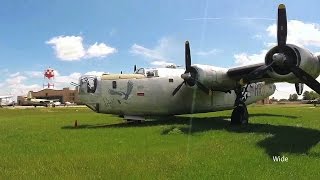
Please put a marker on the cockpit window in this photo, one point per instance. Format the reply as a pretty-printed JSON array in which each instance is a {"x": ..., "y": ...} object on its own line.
[
  {"x": 140, "y": 71},
  {"x": 152, "y": 73}
]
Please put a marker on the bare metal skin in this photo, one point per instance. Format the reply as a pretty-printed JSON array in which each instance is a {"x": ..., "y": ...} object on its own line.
[{"x": 153, "y": 95}]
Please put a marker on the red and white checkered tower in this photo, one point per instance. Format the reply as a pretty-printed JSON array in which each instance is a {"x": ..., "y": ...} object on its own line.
[{"x": 48, "y": 78}]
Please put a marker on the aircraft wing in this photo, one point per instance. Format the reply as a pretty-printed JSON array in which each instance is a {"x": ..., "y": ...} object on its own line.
[
  {"x": 6, "y": 96},
  {"x": 252, "y": 72}
]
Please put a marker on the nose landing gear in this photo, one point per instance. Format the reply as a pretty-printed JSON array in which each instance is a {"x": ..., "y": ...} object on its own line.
[{"x": 240, "y": 113}]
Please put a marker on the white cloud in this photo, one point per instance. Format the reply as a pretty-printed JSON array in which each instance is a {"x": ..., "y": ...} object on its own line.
[
  {"x": 100, "y": 50},
  {"x": 161, "y": 63},
  {"x": 148, "y": 53},
  {"x": 284, "y": 90},
  {"x": 162, "y": 54},
  {"x": 15, "y": 80},
  {"x": 16, "y": 85},
  {"x": 209, "y": 52},
  {"x": 246, "y": 59},
  {"x": 34, "y": 74},
  {"x": 165, "y": 49},
  {"x": 68, "y": 48},
  {"x": 94, "y": 73},
  {"x": 62, "y": 81},
  {"x": 299, "y": 33},
  {"x": 71, "y": 48},
  {"x": 22, "y": 89},
  {"x": 14, "y": 74}
]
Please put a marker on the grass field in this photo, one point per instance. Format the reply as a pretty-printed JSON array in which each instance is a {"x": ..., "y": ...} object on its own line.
[{"x": 42, "y": 143}]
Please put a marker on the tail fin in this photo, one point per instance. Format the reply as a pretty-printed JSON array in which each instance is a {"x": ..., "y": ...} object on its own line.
[{"x": 29, "y": 96}]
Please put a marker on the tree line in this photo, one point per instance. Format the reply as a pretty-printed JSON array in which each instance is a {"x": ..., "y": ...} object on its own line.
[{"x": 307, "y": 95}]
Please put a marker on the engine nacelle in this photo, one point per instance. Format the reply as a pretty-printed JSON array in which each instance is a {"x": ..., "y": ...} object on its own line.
[
  {"x": 299, "y": 57},
  {"x": 215, "y": 78}
]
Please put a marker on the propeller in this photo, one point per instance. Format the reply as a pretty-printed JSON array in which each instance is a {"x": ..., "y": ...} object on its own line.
[
  {"x": 189, "y": 76},
  {"x": 134, "y": 68},
  {"x": 281, "y": 58}
]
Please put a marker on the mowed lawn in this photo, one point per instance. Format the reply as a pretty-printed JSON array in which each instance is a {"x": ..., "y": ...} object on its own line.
[{"x": 42, "y": 143}]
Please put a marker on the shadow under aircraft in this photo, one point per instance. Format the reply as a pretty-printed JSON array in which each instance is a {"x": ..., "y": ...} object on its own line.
[{"x": 283, "y": 139}]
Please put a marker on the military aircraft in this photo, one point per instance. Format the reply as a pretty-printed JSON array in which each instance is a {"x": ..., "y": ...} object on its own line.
[
  {"x": 39, "y": 102},
  {"x": 6, "y": 100},
  {"x": 202, "y": 88}
]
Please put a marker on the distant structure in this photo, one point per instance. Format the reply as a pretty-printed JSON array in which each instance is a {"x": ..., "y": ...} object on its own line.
[
  {"x": 267, "y": 100},
  {"x": 64, "y": 95},
  {"x": 48, "y": 77}
]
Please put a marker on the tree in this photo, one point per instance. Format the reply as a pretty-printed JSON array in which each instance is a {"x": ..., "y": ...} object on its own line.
[
  {"x": 306, "y": 95},
  {"x": 314, "y": 95},
  {"x": 310, "y": 95},
  {"x": 293, "y": 97}
]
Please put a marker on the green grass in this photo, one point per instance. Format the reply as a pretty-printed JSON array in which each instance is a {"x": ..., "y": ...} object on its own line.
[{"x": 42, "y": 143}]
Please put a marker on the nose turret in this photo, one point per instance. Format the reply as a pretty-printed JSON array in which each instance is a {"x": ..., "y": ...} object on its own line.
[{"x": 89, "y": 91}]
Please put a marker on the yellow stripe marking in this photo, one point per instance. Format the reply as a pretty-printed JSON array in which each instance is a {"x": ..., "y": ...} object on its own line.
[{"x": 281, "y": 6}]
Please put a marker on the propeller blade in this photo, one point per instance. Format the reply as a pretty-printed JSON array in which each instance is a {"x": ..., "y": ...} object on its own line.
[
  {"x": 203, "y": 87},
  {"x": 187, "y": 56},
  {"x": 306, "y": 78},
  {"x": 177, "y": 89},
  {"x": 282, "y": 26},
  {"x": 134, "y": 68}
]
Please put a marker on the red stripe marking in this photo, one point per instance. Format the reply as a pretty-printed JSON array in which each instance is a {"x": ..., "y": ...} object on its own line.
[{"x": 140, "y": 94}]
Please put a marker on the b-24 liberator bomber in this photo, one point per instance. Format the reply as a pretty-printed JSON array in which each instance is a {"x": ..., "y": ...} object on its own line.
[{"x": 202, "y": 88}]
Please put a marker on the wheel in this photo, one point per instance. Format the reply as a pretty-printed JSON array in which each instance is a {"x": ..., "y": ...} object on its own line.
[
  {"x": 236, "y": 115},
  {"x": 239, "y": 115}
]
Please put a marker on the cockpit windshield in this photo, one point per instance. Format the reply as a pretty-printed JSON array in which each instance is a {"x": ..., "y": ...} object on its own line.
[
  {"x": 148, "y": 72},
  {"x": 88, "y": 84},
  {"x": 140, "y": 71}
]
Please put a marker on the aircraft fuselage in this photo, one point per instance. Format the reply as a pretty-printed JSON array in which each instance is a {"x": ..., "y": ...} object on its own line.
[{"x": 153, "y": 96}]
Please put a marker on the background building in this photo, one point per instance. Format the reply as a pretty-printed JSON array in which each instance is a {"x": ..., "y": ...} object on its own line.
[
  {"x": 265, "y": 101},
  {"x": 64, "y": 95}
]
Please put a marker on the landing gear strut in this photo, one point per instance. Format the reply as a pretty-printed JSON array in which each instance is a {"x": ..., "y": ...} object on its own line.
[{"x": 240, "y": 112}]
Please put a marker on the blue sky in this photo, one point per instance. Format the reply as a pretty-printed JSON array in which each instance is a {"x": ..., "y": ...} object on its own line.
[{"x": 75, "y": 36}]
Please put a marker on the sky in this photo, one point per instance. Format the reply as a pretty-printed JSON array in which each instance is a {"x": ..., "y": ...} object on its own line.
[{"x": 78, "y": 37}]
